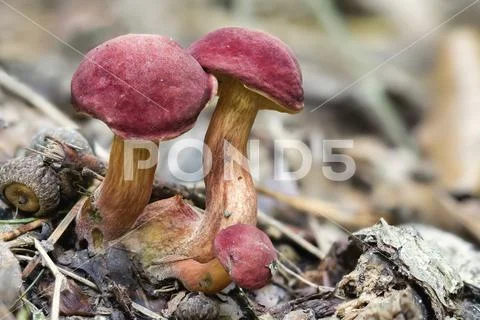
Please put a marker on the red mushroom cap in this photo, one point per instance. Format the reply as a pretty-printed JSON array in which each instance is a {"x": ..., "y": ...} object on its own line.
[
  {"x": 247, "y": 254},
  {"x": 142, "y": 86},
  {"x": 259, "y": 60}
]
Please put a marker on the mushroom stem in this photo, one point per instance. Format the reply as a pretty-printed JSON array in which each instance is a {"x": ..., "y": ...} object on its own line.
[
  {"x": 121, "y": 199},
  {"x": 230, "y": 192}
]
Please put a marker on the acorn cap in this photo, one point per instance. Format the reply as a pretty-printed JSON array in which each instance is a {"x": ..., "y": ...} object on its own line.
[
  {"x": 262, "y": 62},
  {"x": 142, "y": 86},
  {"x": 247, "y": 254},
  {"x": 66, "y": 135},
  {"x": 30, "y": 185}
]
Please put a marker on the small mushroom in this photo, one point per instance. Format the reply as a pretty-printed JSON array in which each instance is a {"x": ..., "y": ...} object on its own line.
[
  {"x": 247, "y": 253},
  {"x": 144, "y": 87},
  {"x": 30, "y": 185}
]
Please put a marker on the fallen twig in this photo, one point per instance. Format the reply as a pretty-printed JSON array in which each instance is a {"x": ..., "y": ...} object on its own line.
[
  {"x": 27, "y": 290},
  {"x": 26, "y": 93},
  {"x": 35, "y": 99},
  {"x": 322, "y": 209},
  {"x": 76, "y": 277},
  {"x": 10, "y": 235},
  {"x": 321, "y": 289},
  {"x": 59, "y": 280},
  {"x": 147, "y": 312},
  {"x": 66, "y": 272},
  {"x": 456, "y": 213},
  {"x": 263, "y": 218},
  {"x": 87, "y": 172}
]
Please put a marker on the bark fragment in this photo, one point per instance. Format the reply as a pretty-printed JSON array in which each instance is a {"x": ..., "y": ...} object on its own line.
[{"x": 416, "y": 260}]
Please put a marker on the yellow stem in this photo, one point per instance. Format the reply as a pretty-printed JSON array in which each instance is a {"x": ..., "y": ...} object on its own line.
[
  {"x": 230, "y": 191},
  {"x": 121, "y": 199}
]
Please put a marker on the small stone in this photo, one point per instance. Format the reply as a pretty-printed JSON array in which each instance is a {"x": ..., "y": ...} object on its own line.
[
  {"x": 197, "y": 307},
  {"x": 300, "y": 315},
  {"x": 10, "y": 276},
  {"x": 66, "y": 257},
  {"x": 229, "y": 309},
  {"x": 270, "y": 296}
]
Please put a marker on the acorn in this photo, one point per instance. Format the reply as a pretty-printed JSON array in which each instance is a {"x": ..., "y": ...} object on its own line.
[
  {"x": 50, "y": 173},
  {"x": 66, "y": 148},
  {"x": 69, "y": 153},
  {"x": 30, "y": 185},
  {"x": 43, "y": 140}
]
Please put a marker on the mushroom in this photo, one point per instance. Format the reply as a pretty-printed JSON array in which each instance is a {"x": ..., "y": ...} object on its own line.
[
  {"x": 144, "y": 87},
  {"x": 255, "y": 71}
]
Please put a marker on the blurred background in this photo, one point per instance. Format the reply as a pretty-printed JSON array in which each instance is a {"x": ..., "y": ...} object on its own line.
[{"x": 400, "y": 78}]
